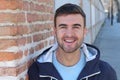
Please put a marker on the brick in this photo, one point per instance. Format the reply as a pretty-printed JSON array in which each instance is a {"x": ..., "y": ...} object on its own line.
[
  {"x": 12, "y": 30},
  {"x": 46, "y": 35},
  {"x": 42, "y": 7},
  {"x": 8, "y": 30},
  {"x": 50, "y": 9},
  {"x": 13, "y": 71},
  {"x": 8, "y": 56},
  {"x": 36, "y": 7},
  {"x": 14, "y": 4},
  {"x": 46, "y": 1},
  {"x": 22, "y": 68},
  {"x": 48, "y": 26},
  {"x": 12, "y": 17},
  {"x": 37, "y": 28},
  {"x": 10, "y": 71},
  {"x": 38, "y": 37},
  {"x": 39, "y": 17},
  {"x": 23, "y": 5},
  {"x": 7, "y": 43},
  {"x": 20, "y": 18},
  {"x": 8, "y": 4},
  {"x": 48, "y": 17},
  {"x": 23, "y": 29},
  {"x": 22, "y": 41},
  {"x": 39, "y": 46},
  {"x": 34, "y": 17},
  {"x": 29, "y": 39},
  {"x": 26, "y": 52},
  {"x": 6, "y": 17}
]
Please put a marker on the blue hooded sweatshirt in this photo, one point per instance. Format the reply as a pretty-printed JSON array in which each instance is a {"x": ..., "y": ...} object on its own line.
[{"x": 94, "y": 69}]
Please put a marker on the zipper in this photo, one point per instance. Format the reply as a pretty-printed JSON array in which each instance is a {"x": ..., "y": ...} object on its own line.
[
  {"x": 86, "y": 77},
  {"x": 51, "y": 77}
]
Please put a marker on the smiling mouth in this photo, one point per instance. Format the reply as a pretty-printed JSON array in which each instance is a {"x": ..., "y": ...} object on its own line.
[{"x": 69, "y": 41}]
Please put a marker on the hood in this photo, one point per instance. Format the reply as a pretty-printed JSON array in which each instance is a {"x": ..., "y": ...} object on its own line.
[
  {"x": 91, "y": 53},
  {"x": 91, "y": 68}
]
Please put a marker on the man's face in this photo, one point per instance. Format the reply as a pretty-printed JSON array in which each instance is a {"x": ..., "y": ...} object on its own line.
[{"x": 69, "y": 32}]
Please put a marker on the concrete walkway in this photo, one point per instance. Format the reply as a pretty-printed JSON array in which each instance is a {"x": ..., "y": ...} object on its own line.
[{"x": 108, "y": 41}]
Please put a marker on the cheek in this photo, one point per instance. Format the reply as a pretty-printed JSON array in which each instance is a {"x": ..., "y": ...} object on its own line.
[
  {"x": 79, "y": 34},
  {"x": 58, "y": 34}
]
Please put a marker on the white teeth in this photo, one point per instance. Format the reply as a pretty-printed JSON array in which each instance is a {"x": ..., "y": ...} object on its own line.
[{"x": 69, "y": 40}]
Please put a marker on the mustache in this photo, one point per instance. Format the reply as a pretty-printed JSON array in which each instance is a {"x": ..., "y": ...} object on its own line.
[{"x": 71, "y": 37}]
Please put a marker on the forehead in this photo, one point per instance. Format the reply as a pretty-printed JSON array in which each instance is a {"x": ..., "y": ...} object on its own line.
[{"x": 71, "y": 18}]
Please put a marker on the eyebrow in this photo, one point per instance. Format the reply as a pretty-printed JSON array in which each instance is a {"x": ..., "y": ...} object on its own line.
[
  {"x": 66, "y": 25},
  {"x": 62, "y": 25},
  {"x": 77, "y": 25}
]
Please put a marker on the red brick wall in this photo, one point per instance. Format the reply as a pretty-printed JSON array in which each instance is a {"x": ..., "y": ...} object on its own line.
[{"x": 25, "y": 30}]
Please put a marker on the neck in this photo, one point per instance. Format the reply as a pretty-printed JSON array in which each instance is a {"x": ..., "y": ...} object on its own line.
[{"x": 68, "y": 59}]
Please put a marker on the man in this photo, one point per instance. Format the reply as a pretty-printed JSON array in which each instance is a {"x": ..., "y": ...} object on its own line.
[{"x": 69, "y": 58}]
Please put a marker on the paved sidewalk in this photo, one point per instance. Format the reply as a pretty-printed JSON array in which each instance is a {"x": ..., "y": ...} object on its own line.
[{"x": 108, "y": 41}]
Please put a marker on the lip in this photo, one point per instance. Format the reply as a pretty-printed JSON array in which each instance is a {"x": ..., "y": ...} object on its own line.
[{"x": 69, "y": 41}]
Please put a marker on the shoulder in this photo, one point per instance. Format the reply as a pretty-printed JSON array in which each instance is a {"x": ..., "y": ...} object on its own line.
[
  {"x": 105, "y": 67},
  {"x": 33, "y": 66},
  {"x": 33, "y": 71},
  {"x": 107, "y": 70}
]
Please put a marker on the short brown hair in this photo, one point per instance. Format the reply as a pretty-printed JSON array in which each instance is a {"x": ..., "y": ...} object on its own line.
[{"x": 67, "y": 9}]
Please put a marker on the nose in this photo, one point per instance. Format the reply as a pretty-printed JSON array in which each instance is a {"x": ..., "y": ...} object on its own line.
[{"x": 69, "y": 32}]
